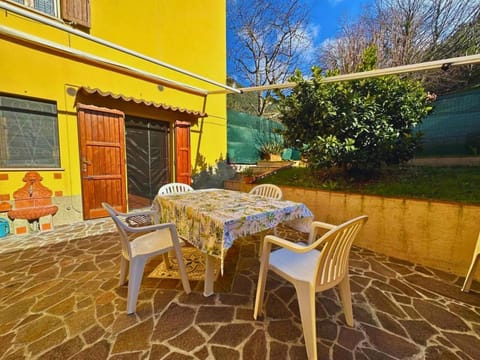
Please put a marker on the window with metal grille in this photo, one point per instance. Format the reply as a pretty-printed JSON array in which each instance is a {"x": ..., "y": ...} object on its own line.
[
  {"x": 49, "y": 7},
  {"x": 74, "y": 12},
  {"x": 28, "y": 133}
]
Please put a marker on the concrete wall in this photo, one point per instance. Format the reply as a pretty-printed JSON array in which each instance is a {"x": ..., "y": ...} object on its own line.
[{"x": 441, "y": 235}]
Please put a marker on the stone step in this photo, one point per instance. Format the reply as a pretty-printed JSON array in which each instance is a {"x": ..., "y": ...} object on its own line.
[
  {"x": 273, "y": 164},
  {"x": 262, "y": 169}
]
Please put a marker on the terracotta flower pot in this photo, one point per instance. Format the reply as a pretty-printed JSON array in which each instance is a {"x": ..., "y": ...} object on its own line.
[
  {"x": 275, "y": 157},
  {"x": 249, "y": 179}
]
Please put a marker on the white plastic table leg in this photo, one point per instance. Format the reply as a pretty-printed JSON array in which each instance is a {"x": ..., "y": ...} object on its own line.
[{"x": 209, "y": 275}]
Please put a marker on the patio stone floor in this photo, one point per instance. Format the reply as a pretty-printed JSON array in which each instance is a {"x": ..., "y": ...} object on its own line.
[{"x": 59, "y": 299}]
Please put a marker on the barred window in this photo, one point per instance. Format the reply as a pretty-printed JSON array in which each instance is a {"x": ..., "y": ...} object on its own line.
[
  {"x": 74, "y": 12},
  {"x": 46, "y": 6},
  {"x": 28, "y": 133}
]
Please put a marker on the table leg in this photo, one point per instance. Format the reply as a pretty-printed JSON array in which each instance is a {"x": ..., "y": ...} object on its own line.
[{"x": 209, "y": 275}]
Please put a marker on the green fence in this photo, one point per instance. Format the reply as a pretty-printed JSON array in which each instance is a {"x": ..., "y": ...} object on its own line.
[
  {"x": 453, "y": 128},
  {"x": 246, "y": 133}
]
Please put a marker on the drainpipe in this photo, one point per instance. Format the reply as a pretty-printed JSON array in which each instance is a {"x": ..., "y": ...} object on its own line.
[
  {"x": 61, "y": 26},
  {"x": 106, "y": 63}
]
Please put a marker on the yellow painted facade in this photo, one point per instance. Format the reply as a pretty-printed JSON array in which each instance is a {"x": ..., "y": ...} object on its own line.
[{"x": 188, "y": 34}]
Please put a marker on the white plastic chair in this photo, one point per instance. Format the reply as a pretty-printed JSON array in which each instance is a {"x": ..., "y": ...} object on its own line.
[
  {"x": 158, "y": 239},
  {"x": 473, "y": 267},
  {"x": 173, "y": 188},
  {"x": 267, "y": 190},
  {"x": 317, "y": 266}
]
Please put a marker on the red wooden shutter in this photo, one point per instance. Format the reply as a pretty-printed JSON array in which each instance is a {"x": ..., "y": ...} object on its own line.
[
  {"x": 182, "y": 140},
  {"x": 76, "y": 11}
]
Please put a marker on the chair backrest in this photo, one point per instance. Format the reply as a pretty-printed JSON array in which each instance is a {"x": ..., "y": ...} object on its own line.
[
  {"x": 173, "y": 188},
  {"x": 121, "y": 226},
  {"x": 335, "y": 250},
  {"x": 267, "y": 190}
]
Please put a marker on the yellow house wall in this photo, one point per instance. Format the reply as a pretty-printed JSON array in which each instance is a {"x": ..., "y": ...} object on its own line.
[
  {"x": 440, "y": 235},
  {"x": 188, "y": 34}
]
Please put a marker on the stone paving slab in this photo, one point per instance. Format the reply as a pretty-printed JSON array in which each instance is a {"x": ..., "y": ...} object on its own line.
[{"x": 59, "y": 299}]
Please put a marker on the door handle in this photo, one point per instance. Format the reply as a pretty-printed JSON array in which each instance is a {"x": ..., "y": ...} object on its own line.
[{"x": 85, "y": 162}]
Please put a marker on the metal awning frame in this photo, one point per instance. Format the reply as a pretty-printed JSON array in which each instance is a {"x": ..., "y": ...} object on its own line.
[{"x": 430, "y": 65}]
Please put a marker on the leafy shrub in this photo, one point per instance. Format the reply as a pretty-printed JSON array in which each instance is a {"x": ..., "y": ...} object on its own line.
[{"x": 359, "y": 124}]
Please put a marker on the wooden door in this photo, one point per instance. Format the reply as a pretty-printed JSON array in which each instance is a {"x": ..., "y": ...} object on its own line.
[
  {"x": 182, "y": 145},
  {"x": 102, "y": 159}
]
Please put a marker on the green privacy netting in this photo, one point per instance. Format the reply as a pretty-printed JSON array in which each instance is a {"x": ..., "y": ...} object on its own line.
[
  {"x": 246, "y": 133},
  {"x": 453, "y": 128}
]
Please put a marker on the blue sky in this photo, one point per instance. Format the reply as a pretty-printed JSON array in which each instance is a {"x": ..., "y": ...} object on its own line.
[{"x": 325, "y": 16}]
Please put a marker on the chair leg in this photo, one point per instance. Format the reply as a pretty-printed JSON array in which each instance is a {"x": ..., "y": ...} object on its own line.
[
  {"x": 182, "y": 270},
  {"x": 306, "y": 303},
  {"x": 262, "y": 236},
  {"x": 346, "y": 298},
  {"x": 123, "y": 270},
  {"x": 166, "y": 259},
  {"x": 471, "y": 272},
  {"x": 137, "y": 266},
  {"x": 262, "y": 280}
]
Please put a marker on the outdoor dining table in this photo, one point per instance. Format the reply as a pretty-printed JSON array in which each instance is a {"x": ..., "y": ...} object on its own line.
[{"x": 212, "y": 219}]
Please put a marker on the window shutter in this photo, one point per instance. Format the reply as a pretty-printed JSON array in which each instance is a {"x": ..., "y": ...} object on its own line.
[
  {"x": 76, "y": 11},
  {"x": 183, "y": 164}
]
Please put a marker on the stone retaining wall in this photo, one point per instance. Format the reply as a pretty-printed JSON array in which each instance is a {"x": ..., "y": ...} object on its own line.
[{"x": 441, "y": 235}]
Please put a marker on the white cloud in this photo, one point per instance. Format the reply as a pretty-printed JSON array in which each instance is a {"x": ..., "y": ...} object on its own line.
[
  {"x": 314, "y": 30},
  {"x": 306, "y": 42}
]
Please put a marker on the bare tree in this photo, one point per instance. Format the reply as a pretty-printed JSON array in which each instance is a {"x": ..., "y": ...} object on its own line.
[
  {"x": 270, "y": 40},
  {"x": 404, "y": 32},
  {"x": 345, "y": 52},
  {"x": 465, "y": 41}
]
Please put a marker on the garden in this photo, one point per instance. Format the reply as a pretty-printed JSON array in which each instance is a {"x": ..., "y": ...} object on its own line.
[{"x": 359, "y": 136}]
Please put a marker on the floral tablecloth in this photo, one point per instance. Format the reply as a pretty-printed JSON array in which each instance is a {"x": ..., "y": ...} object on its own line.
[{"x": 212, "y": 219}]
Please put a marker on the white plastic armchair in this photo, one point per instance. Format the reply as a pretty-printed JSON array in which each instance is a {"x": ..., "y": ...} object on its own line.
[
  {"x": 317, "y": 266},
  {"x": 173, "y": 188},
  {"x": 267, "y": 190},
  {"x": 158, "y": 239}
]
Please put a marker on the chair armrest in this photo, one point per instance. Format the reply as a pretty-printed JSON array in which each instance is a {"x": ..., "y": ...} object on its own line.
[
  {"x": 296, "y": 247},
  {"x": 323, "y": 225},
  {"x": 315, "y": 227},
  {"x": 139, "y": 213},
  {"x": 151, "y": 227}
]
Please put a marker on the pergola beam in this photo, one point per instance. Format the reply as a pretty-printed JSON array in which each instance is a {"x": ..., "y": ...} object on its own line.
[{"x": 430, "y": 65}]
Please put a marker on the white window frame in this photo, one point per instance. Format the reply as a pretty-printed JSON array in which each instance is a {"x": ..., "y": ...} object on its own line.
[{"x": 31, "y": 5}]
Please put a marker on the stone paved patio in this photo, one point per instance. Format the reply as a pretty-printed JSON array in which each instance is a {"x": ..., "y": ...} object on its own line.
[{"x": 59, "y": 299}]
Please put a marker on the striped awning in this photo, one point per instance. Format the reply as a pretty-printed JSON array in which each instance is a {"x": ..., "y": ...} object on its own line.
[{"x": 130, "y": 99}]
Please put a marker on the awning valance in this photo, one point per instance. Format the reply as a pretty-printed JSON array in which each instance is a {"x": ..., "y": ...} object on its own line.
[{"x": 129, "y": 99}]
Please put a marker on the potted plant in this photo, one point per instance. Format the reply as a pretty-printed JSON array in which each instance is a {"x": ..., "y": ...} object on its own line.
[
  {"x": 271, "y": 151},
  {"x": 248, "y": 176}
]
